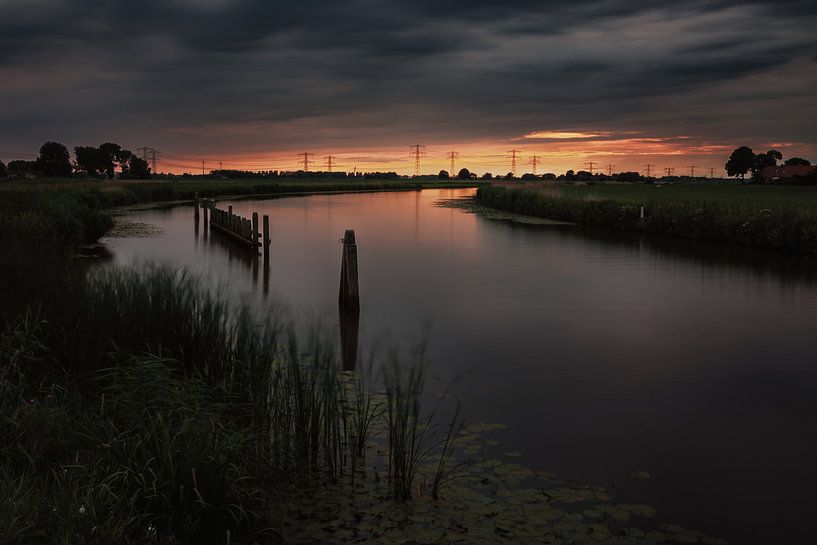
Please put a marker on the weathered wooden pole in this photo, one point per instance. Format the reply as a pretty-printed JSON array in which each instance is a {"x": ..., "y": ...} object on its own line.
[
  {"x": 196, "y": 208},
  {"x": 230, "y": 225},
  {"x": 204, "y": 209},
  {"x": 266, "y": 237},
  {"x": 349, "y": 296},
  {"x": 254, "y": 228}
]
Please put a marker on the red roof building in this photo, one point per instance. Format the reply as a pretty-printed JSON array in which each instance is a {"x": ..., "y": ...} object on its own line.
[{"x": 784, "y": 172}]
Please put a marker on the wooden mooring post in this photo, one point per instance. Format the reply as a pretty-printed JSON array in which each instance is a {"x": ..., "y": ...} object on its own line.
[
  {"x": 349, "y": 297},
  {"x": 349, "y": 302},
  {"x": 196, "y": 208},
  {"x": 205, "y": 209},
  {"x": 266, "y": 240}
]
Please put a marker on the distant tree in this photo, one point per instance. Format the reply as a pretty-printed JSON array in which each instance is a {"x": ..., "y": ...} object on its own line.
[
  {"x": 548, "y": 176},
  {"x": 509, "y": 176},
  {"x": 763, "y": 160},
  {"x": 114, "y": 155},
  {"x": 21, "y": 168},
  {"x": 443, "y": 175},
  {"x": 2, "y": 170},
  {"x": 740, "y": 162},
  {"x": 570, "y": 175},
  {"x": 487, "y": 176},
  {"x": 136, "y": 168},
  {"x": 464, "y": 174},
  {"x": 90, "y": 160},
  {"x": 797, "y": 161},
  {"x": 528, "y": 176},
  {"x": 54, "y": 160}
]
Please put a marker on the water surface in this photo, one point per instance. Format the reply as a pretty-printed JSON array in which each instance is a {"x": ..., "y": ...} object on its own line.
[{"x": 605, "y": 353}]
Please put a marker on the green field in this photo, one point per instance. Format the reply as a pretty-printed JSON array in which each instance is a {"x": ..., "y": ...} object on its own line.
[
  {"x": 760, "y": 195},
  {"x": 125, "y": 192},
  {"x": 779, "y": 217}
]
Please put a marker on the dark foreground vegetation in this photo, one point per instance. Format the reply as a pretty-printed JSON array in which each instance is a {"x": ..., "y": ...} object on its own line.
[
  {"x": 772, "y": 217},
  {"x": 136, "y": 406}
]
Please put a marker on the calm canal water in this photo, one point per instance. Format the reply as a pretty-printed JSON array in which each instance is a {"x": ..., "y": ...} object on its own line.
[{"x": 604, "y": 353}]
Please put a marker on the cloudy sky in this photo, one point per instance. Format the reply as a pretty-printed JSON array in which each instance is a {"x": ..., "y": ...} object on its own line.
[{"x": 252, "y": 83}]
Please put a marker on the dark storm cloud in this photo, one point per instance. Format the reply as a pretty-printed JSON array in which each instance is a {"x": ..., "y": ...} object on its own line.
[{"x": 259, "y": 75}]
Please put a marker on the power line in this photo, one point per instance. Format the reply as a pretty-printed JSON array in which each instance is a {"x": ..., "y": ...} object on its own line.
[
  {"x": 513, "y": 156},
  {"x": 648, "y": 169},
  {"x": 417, "y": 151},
  {"x": 452, "y": 155},
  {"x": 330, "y": 160},
  {"x": 306, "y": 161},
  {"x": 533, "y": 162}
]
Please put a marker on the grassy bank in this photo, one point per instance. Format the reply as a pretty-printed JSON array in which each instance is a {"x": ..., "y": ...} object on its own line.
[
  {"x": 780, "y": 218},
  {"x": 138, "y": 406},
  {"x": 110, "y": 193}
]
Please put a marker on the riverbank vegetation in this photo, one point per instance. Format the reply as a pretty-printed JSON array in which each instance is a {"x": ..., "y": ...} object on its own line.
[
  {"x": 137, "y": 406},
  {"x": 783, "y": 218}
]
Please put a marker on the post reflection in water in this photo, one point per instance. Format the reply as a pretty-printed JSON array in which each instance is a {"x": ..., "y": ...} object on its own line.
[
  {"x": 349, "y": 328},
  {"x": 250, "y": 259}
]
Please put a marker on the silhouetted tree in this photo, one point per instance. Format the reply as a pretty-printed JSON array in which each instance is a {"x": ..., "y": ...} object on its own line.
[
  {"x": 763, "y": 160},
  {"x": 509, "y": 176},
  {"x": 464, "y": 174},
  {"x": 528, "y": 176},
  {"x": 90, "y": 160},
  {"x": 54, "y": 160},
  {"x": 21, "y": 168},
  {"x": 443, "y": 175},
  {"x": 2, "y": 170},
  {"x": 740, "y": 162},
  {"x": 548, "y": 176},
  {"x": 136, "y": 168},
  {"x": 487, "y": 176},
  {"x": 797, "y": 161}
]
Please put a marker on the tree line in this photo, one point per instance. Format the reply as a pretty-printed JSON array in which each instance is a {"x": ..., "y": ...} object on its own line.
[
  {"x": 744, "y": 160},
  {"x": 101, "y": 161}
]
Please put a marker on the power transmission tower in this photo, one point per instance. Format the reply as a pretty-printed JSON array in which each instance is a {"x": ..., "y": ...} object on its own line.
[
  {"x": 711, "y": 172},
  {"x": 648, "y": 169},
  {"x": 610, "y": 170},
  {"x": 514, "y": 154},
  {"x": 220, "y": 165},
  {"x": 692, "y": 170},
  {"x": 202, "y": 168},
  {"x": 330, "y": 160},
  {"x": 417, "y": 151},
  {"x": 533, "y": 162},
  {"x": 590, "y": 166},
  {"x": 306, "y": 161},
  {"x": 452, "y": 155},
  {"x": 151, "y": 155},
  {"x": 670, "y": 171}
]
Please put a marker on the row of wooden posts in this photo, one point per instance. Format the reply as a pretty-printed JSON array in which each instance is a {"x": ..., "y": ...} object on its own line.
[
  {"x": 241, "y": 230},
  {"x": 245, "y": 232}
]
